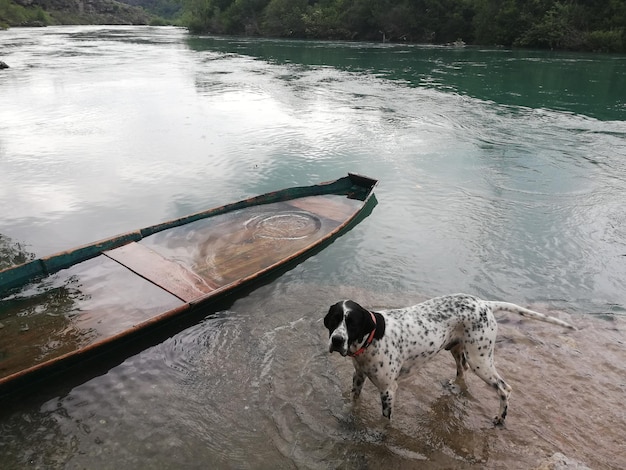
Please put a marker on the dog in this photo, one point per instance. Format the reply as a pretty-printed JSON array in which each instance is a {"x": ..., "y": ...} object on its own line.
[{"x": 385, "y": 345}]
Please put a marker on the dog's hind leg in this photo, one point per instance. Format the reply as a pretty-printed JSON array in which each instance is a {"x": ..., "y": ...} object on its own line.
[
  {"x": 458, "y": 352},
  {"x": 483, "y": 367},
  {"x": 504, "y": 392}
]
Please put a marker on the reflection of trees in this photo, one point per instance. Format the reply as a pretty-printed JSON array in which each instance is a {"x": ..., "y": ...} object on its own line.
[{"x": 12, "y": 253}]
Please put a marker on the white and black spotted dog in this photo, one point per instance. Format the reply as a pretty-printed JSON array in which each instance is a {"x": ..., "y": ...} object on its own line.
[{"x": 387, "y": 344}]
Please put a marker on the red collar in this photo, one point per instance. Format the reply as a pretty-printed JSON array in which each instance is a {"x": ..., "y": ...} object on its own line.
[{"x": 369, "y": 340}]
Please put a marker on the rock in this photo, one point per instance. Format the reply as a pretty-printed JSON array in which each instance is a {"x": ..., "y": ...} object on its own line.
[
  {"x": 560, "y": 462},
  {"x": 3, "y": 65}
]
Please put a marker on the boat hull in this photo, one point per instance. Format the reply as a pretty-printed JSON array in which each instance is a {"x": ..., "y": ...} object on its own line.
[{"x": 59, "y": 310}]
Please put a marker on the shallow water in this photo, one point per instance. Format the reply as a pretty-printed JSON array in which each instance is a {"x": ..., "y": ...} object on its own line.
[{"x": 502, "y": 174}]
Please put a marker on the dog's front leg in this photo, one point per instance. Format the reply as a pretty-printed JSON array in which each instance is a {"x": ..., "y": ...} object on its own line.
[
  {"x": 358, "y": 379},
  {"x": 387, "y": 398}
]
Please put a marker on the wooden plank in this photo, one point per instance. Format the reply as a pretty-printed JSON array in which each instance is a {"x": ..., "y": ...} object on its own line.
[
  {"x": 242, "y": 243},
  {"x": 236, "y": 260},
  {"x": 171, "y": 276},
  {"x": 85, "y": 304},
  {"x": 243, "y": 246},
  {"x": 334, "y": 209}
]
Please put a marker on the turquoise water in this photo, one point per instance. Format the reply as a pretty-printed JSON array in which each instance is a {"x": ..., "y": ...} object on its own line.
[
  {"x": 588, "y": 84},
  {"x": 502, "y": 173}
]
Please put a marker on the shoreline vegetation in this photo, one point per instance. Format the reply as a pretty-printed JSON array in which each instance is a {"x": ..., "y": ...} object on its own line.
[{"x": 575, "y": 25}]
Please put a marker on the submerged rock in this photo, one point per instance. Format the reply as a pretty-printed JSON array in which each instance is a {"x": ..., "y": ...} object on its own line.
[{"x": 3, "y": 65}]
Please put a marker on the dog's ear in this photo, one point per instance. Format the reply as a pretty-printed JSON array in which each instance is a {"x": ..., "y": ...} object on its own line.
[
  {"x": 380, "y": 325},
  {"x": 361, "y": 322},
  {"x": 333, "y": 317},
  {"x": 358, "y": 320}
]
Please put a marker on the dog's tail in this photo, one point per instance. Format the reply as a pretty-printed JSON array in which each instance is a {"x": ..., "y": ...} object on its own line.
[{"x": 508, "y": 307}]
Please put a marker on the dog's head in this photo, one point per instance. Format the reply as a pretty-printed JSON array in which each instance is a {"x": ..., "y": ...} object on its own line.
[{"x": 349, "y": 326}]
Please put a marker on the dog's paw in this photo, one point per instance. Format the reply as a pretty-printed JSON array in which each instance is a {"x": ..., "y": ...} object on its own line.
[
  {"x": 454, "y": 386},
  {"x": 498, "y": 421}
]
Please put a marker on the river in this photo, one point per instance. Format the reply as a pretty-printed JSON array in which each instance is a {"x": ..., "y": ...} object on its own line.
[{"x": 502, "y": 174}]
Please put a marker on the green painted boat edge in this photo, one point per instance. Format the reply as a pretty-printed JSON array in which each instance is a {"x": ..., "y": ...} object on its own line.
[
  {"x": 11, "y": 384},
  {"x": 16, "y": 276}
]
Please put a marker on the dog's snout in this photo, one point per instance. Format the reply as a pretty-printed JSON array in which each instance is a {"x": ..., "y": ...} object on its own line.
[{"x": 337, "y": 343}]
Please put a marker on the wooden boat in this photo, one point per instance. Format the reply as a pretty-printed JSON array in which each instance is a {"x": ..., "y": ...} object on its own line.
[{"x": 59, "y": 310}]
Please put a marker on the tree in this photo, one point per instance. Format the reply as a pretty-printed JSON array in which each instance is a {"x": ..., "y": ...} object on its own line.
[
  {"x": 555, "y": 30},
  {"x": 499, "y": 22},
  {"x": 285, "y": 18}
]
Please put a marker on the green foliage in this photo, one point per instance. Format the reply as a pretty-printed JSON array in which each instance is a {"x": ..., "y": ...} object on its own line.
[
  {"x": 164, "y": 9},
  {"x": 12, "y": 14},
  {"x": 555, "y": 29},
  {"x": 393, "y": 20},
  {"x": 159, "y": 21},
  {"x": 499, "y": 22},
  {"x": 244, "y": 16},
  {"x": 606, "y": 41},
  {"x": 52, "y": 12},
  {"x": 285, "y": 18},
  {"x": 573, "y": 26}
]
